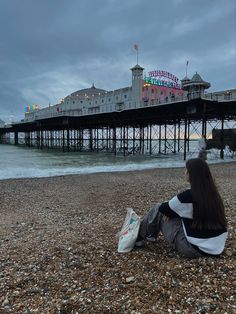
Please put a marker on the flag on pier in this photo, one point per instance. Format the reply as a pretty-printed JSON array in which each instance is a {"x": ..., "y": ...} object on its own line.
[
  {"x": 136, "y": 47},
  {"x": 187, "y": 68}
]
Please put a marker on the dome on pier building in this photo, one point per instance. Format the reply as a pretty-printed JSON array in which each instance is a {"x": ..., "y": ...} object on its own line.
[{"x": 86, "y": 93}]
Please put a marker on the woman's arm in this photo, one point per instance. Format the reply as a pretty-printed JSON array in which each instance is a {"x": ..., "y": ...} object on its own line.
[
  {"x": 179, "y": 206},
  {"x": 167, "y": 211}
]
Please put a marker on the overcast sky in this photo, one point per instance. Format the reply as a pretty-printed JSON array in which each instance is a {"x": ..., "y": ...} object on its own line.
[{"x": 51, "y": 48}]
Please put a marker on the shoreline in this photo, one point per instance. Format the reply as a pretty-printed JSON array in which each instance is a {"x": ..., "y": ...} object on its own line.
[
  {"x": 115, "y": 171},
  {"x": 58, "y": 247}
]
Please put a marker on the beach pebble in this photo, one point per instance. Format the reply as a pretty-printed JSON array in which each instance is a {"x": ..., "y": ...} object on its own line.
[
  {"x": 65, "y": 260},
  {"x": 129, "y": 279},
  {"x": 5, "y": 302}
]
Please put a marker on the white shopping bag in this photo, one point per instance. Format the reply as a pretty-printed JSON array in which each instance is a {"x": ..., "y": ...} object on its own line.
[{"x": 129, "y": 232}]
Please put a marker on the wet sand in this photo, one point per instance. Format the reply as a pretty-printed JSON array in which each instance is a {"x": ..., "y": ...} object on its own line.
[{"x": 58, "y": 247}]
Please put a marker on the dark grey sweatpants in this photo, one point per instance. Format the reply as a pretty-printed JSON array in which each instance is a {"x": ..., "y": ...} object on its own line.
[{"x": 153, "y": 222}]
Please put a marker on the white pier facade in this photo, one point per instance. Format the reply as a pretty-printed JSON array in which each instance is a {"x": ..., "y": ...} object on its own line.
[{"x": 141, "y": 94}]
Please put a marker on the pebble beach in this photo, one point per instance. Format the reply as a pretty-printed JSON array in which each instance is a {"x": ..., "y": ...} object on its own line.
[{"x": 58, "y": 247}]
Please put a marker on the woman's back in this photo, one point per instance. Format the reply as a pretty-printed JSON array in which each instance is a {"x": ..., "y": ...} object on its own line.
[{"x": 208, "y": 207}]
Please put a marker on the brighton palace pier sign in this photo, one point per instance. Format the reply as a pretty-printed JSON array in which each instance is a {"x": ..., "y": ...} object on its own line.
[{"x": 162, "y": 78}]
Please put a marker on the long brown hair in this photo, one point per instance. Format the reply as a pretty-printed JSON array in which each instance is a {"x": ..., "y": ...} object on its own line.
[{"x": 208, "y": 207}]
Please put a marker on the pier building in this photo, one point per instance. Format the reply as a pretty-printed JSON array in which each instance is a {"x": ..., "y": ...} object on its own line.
[
  {"x": 143, "y": 92},
  {"x": 157, "y": 114}
]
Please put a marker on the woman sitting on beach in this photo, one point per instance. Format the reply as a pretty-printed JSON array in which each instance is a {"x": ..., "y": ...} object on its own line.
[{"x": 193, "y": 222}]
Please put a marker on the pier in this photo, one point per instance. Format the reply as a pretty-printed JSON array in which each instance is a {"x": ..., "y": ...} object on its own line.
[
  {"x": 142, "y": 119},
  {"x": 160, "y": 129}
]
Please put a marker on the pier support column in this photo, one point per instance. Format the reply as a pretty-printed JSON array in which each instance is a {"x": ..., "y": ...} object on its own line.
[
  {"x": 185, "y": 137},
  {"x": 133, "y": 140},
  {"x": 38, "y": 139},
  {"x": 48, "y": 139},
  {"x": 204, "y": 128},
  {"x": 165, "y": 140},
  {"x": 27, "y": 139},
  {"x": 102, "y": 139},
  {"x": 124, "y": 142},
  {"x": 16, "y": 139},
  {"x": 81, "y": 140},
  {"x": 108, "y": 138},
  {"x": 150, "y": 139},
  {"x": 114, "y": 141},
  {"x": 68, "y": 139},
  {"x": 141, "y": 140},
  {"x": 97, "y": 140},
  {"x": 222, "y": 144},
  {"x": 178, "y": 136},
  {"x": 63, "y": 140},
  {"x": 174, "y": 150},
  {"x": 32, "y": 139},
  {"x": 159, "y": 139},
  {"x": 51, "y": 139},
  {"x": 90, "y": 139},
  {"x": 41, "y": 139},
  {"x": 74, "y": 140},
  {"x": 189, "y": 123}
]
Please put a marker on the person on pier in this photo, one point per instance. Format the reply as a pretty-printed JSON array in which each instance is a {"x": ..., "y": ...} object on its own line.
[{"x": 193, "y": 222}]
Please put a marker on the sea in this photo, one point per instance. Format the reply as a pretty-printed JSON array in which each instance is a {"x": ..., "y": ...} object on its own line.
[{"x": 24, "y": 162}]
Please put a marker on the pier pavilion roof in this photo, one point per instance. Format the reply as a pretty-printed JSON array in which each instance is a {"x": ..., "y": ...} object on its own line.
[
  {"x": 197, "y": 78},
  {"x": 87, "y": 93},
  {"x": 185, "y": 79},
  {"x": 137, "y": 67},
  {"x": 195, "y": 81}
]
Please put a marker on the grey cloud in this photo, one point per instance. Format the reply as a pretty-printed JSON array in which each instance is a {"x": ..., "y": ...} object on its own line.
[{"x": 49, "y": 49}]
